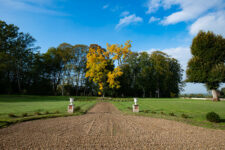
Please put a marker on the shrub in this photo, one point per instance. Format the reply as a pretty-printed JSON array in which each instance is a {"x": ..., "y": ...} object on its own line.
[
  {"x": 172, "y": 95},
  {"x": 57, "y": 112},
  {"x": 37, "y": 113},
  {"x": 146, "y": 111},
  {"x": 213, "y": 117},
  {"x": 77, "y": 108},
  {"x": 162, "y": 113},
  {"x": 129, "y": 108},
  {"x": 46, "y": 112},
  {"x": 153, "y": 112},
  {"x": 11, "y": 115},
  {"x": 184, "y": 116},
  {"x": 24, "y": 114},
  {"x": 172, "y": 114}
]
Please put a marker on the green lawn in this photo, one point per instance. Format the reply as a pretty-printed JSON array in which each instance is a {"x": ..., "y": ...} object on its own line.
[
  {"x": 55, "y": 105},
  {"x": 161, "y": 108}
]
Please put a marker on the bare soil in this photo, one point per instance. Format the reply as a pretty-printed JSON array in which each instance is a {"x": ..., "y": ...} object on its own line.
[{"x": 104, "y": 127}]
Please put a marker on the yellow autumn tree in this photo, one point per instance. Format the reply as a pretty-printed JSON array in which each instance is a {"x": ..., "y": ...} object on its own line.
[{"x": 100, "y": 64}]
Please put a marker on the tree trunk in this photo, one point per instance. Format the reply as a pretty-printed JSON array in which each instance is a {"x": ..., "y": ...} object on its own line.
[
  {"x": 215, "y": 95},
  {"x": 103, "y": 96},
  {"x": 77, "y": 90},
  {"x": 143, "y": 92},
  {"x": 18, "y": 80},
  {"x": 158, "y": 92},
  {"x": 63, "y": 89},
  {"x": 85, "y": 91}
]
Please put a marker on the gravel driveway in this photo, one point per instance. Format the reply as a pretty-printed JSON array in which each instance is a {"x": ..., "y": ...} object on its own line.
[{"x": 104, "y": 127}]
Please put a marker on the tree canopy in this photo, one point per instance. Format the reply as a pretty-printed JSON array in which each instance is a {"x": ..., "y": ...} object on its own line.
[
  {"x": 208, "y": 62},
  {"x": 83, "y": 70},
  {"x": 100, "y": 65},
  {"x": 151, "y": 75}
]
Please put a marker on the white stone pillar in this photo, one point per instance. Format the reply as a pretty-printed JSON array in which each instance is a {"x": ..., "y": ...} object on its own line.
[
  {"x": 135, "y": 106},
  {"x": 71, "y": 106}
]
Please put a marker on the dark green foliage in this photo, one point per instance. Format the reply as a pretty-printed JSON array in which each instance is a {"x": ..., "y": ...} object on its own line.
[
  {"x": 222, "y": 92},
  {"x": 172, "y": 114},
  {"x": 155, "y": 75},
  {"x": 153, "y": 112},
  {"x": 37, "y": 113},
  {"x": 61, "y": 70},
  {"x": 77, "y": 108},
  {"x": 11, "y": 115},
  {"x": 130, "y": 108},
  {"x": 57, "y": 112},
  {"x": 25, "y": 71},
  {"x": 24, "y": 114},
  {"x": 184, "y": 116},
  {"x": 213, "y": 117},
  {"x": 162, "y": 113},
  {"x": 146, "y": 111},
  {"x": 47, "y": 112},
  {"x": 16, "y": 54},
  {"x": 207, "y": 64}
]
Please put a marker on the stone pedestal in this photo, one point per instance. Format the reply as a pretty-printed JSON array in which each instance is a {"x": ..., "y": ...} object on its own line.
[
  {"x": 135, "y": 108},
  {"x": 70, "y": 108}
]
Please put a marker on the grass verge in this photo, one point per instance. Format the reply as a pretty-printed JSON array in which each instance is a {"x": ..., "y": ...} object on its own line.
[
  {"x": 182, "y": 110},
  {"x": 19, "y": 108}
]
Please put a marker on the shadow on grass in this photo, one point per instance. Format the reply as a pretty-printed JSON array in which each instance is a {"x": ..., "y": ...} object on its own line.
[
  {"x": 36, "y": 117},
  {"x": 33, "y": 98},
  {"x": 222, "y": 120}
]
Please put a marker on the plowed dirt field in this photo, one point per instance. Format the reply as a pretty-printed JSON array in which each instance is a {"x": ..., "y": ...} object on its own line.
[{"x": 104, "y": 127}]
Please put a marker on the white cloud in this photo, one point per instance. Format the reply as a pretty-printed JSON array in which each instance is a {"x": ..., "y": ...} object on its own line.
[
  {"x": 189, "y": 9},
  {"x": 37, "y": 6},
  {"x": 214, "y": 22},
  {"x": 127, "y": 20},
  {"x": 125, "y": 13},
  {"x": 204, "y": 14},
  {"x": 153, "y": 19},
  {"x": 153, "y": 6},
  {"x": 38, "y": 2},
  {"x": 105, "y": 6}
]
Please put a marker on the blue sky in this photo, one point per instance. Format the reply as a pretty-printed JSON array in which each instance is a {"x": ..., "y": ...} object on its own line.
[{"x": 166, "y": 25}]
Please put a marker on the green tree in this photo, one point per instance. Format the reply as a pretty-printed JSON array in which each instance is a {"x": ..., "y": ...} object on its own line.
[
  {"x": 208, "y": 62},
  {"x": 53, "y": 67},
  {"x": 65, "y": 51},
  {"x": 145, "y": 75},
  {"x": 79, "y": 66},
  {"x": 128, "y": 80},
  {"x": 16, "y": 54},
  {"x": 39, "y": 76},
  {"x": 161, "y": 71},
  {"x": 174, "y": 80},
  {"x": 155, "y": 75},
  {"x": 222, "y": 92}
]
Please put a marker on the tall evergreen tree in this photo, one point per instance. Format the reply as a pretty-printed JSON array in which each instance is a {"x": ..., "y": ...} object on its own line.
[{"x": 208, "y": 62}]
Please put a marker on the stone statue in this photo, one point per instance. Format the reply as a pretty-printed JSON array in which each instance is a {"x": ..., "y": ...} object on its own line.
[
  {"x": 71, "y": 101},
  {"x": 71, "y": 106},
  {"x": 135, "y": 101},
  {"x": 135, "y": 106}
]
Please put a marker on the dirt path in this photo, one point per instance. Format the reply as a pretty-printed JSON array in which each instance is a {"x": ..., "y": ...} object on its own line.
[{"x": 104, "y": 127}]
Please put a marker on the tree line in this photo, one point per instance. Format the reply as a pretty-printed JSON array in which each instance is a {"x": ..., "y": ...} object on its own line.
[{"x": 64, "y": 70}]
